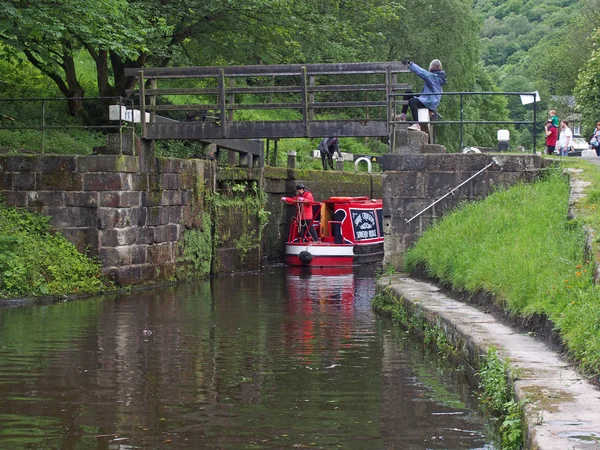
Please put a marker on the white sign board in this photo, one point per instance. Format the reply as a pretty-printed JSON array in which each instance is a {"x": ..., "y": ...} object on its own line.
[
  {"x": 527, "y": 99},
  {"x": 125, "y": 114}
]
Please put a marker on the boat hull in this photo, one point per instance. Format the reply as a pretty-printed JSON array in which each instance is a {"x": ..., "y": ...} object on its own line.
[{"x": 332, "y": 255}]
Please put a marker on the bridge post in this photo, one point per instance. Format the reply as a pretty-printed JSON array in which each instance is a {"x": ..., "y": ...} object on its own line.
[
  {"x": 142, "y": 103},
  {"x": 222, "y": 114},
  {"x": 246, "y": 160},
  {"x": 311, "y": 98},
  {"x": 291, "y": 162},
  {"x": 304, "y": 100}
]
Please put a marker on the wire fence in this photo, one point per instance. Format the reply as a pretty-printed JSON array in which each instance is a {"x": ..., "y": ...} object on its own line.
[{"x": 34, "y": 124}]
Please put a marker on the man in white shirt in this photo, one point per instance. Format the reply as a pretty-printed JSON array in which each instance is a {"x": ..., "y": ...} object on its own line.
[{"x": 565, "y": 141}]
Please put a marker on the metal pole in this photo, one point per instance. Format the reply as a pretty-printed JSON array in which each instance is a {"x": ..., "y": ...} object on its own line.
[
  {"x": 43, "y": 123},
  {"x": 142, "y": 104},
  {"x": 534, "y": 123},
  {"x": 222, "y": 100},
  {"x": 462, "y": 144}
]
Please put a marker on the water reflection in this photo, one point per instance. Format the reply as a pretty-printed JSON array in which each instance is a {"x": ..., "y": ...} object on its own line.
[{"x": 286, "y": 359}]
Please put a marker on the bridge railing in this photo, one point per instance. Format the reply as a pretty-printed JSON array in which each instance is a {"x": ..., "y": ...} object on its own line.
[
  {"x": 526, "y": 99},
  {"x": 361, "y": 90}
]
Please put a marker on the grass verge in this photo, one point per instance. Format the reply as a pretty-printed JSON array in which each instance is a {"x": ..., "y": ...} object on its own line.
[{"x": 520, "y": 246}]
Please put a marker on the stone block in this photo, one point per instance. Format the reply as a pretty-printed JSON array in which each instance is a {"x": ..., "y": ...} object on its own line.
[
  {"x": 161, "y": 233},
  {"x": 165, "y": 165},
  {"x": 440, "y": 183},
  {"x": 127, "y": 276},
  {"x": 124, "y": 143},
  {"x": 56, "y": 164},
  {"x": 62, "y": 217},
  {"x": 84, "y": 239},
  {"x": 173, "y": 232},
  {"x": 24, "y": 181},
  {"x": 408, "y": 141},
  {"x": 59, "y": 181},
  {"x": 146, "y": 235},
  {"x": 187, "y": 197},
  {"x": 171, "y": 198},
  {"x": 14, "y": 198},
  {"x": 138, "y": 254},
  {"x": 117, "y": 237},
  {"x": 187, "y": 180},
  {"x": 108, "y": 163},
  {"x": 404, "y": 184},
  {"x": 402, "y": 162},
  {"x": 157, "y": 216},
  {"x": 275, "y": 186},
  {"x": 103, "y": 182},
  {"x": 139, "y": 181},
  {"x": 81, "y": 199},
  {"x": 115, "y": 256},
  {"x": 175, "y": 214},
  {"x": 141, "y": 214},
  {"x": 38, "y": 199},
  {"x": 118, "y": 217},
  {"x": 433, "y": 148},
  {"x": 6, "y": 180},
  {"x": 21, "y": 163},
  {"x": 120, "y": 199},
  {"x": 151, "y": 198},
  {"x": 160, "y": 253},
  {"x": 168, "y": 181}
]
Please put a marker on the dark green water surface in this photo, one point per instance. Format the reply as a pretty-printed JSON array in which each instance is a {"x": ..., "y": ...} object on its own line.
[{"x": 277, "y": 360}]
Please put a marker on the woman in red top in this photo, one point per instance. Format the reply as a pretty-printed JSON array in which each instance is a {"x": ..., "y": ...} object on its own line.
[
  {"x": 305, "y": 211},
  {"x": 551, "y": 137}
]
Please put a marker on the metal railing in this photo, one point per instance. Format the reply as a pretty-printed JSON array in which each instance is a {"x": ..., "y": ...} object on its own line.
[
  {"x": 17, "y": 114},
  {"x": 462, "y": 120}
]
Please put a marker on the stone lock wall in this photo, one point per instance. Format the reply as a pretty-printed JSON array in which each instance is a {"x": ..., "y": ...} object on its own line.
[
  {"x": 130, "y": 211},
  {"x": 412, "y": 182}
]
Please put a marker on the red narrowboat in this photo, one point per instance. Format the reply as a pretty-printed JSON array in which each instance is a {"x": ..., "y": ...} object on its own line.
[{"x": 349, "y": 232}]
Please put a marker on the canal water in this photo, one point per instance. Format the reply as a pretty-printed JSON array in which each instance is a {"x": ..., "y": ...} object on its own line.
[{"x": 284, "y": 359}]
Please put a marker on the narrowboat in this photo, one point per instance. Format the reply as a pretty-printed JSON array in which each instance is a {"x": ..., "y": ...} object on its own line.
[{"x": 349, "y": 231}]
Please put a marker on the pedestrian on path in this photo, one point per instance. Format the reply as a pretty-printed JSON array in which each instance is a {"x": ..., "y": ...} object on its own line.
[{"x": 565, "y": 141}]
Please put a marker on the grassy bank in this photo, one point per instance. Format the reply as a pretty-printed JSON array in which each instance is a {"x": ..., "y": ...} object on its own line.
[
  {"x": 520, "y": 246},
  {"x": 35, "y": 261}
]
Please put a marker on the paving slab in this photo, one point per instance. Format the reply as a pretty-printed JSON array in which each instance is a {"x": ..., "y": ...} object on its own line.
[{"x": 563, "y": 409}]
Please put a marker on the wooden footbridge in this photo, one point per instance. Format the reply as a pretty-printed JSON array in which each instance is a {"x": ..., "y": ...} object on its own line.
[{"x": 212, "y": 104}]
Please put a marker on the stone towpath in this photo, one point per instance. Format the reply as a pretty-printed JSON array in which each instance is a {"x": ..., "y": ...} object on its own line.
[{"x": 563, "y": 412}]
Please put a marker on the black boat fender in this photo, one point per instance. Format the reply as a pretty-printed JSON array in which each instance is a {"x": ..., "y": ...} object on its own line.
[{"x": 305, "y": 257}]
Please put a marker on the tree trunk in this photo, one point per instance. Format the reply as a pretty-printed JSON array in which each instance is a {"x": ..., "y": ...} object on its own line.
[{"x": 75, "y": 91}]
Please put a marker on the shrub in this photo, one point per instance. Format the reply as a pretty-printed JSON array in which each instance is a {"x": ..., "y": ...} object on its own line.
[{"x": 36, "y": 261}]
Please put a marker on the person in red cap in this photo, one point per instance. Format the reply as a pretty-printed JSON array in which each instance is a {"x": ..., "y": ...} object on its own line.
[{"x": 304, "y": 199}]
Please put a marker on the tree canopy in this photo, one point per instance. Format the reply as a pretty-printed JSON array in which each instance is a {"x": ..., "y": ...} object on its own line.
[{"x": 83, "y": 46}]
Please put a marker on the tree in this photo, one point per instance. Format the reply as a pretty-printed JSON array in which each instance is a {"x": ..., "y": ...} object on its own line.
[{"x": 48, "y": 35}]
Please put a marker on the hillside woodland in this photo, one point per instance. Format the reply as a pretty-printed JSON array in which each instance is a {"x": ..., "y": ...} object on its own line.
[{"x": 79, "y": 49}]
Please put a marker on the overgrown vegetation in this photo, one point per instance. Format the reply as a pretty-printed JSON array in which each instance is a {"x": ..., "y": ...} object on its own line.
[
  {"x": 519, "y": 245},
  {"x": 36, "y": 261},
  {"x": 196, "y": 249},
  {"x": 498, "y": 397}
]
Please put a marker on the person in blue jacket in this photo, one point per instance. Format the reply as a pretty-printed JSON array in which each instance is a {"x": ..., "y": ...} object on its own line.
[{"x": 433, "y": 79}]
